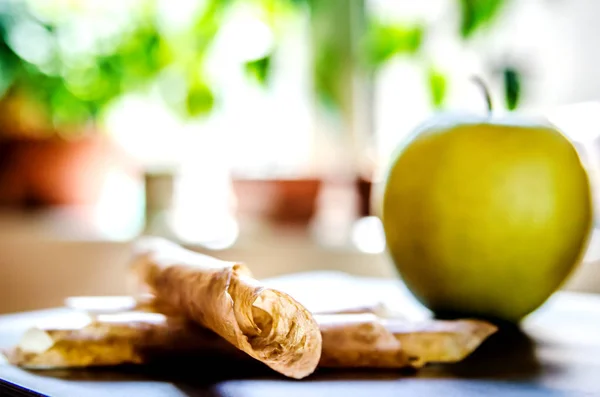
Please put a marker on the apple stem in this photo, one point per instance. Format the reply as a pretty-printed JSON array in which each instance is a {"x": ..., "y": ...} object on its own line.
[{"x": 486, "y": 92}]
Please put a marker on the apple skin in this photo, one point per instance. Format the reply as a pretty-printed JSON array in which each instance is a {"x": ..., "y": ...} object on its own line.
[{"x": 486, "y": 216}]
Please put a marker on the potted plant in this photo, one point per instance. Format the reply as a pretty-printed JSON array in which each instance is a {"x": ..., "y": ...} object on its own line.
[{"x": 54, "y": 92}]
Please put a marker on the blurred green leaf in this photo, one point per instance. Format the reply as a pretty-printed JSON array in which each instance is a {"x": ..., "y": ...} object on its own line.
[
  {"x": 438, "y": 86},
  {"x": 208, "y": 23},
  {"x": 140, "y": 55},
  {"x": 334, "y": 51},
  {"x": 512, "y": 87},
  {"x": 9, "y": 61},
  {"x": 259, "y": 69},
  {"x": 199, "y": 99},
  {"x": 7, "y": 68},
  {"x": 327, "y": 67},
  {"x": 67, "y": 109},
  {"x": 387, "y": 41},
  {"x": 476, "y": 14}
]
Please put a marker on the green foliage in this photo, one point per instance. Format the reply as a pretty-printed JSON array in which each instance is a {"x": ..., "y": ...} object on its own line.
[
  {"x": 72, "y": 92},
  {"x": 512, "y": 87},
  {"x": 328, "y": 65},
  {"x": 476, "y": 14},
  {"x": 199, "y": 99},
  {"x": 333, "y": 48},
  {"x": 386, "y": 41},
  {"x": 259, "y": 69},
  {"x": 438, "y": 86}
]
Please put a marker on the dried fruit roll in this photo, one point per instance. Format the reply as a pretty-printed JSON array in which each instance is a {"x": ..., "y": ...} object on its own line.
[{"x": 267, "y": 324}]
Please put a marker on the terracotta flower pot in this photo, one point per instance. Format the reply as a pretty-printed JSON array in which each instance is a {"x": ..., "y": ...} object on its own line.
[
  {"x": 55, "y": 172},
  {"x": 284, "y": 201}
]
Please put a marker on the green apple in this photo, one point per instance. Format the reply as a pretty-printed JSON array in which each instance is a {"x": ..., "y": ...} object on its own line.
[{"x": 486, "y": 216}]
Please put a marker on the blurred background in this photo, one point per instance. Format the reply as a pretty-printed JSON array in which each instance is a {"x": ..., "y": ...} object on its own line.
[{"x": 252, "y": 129}]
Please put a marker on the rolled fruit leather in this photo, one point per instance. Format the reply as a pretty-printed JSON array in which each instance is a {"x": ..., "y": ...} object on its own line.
[{"x": 267, "y": 324}]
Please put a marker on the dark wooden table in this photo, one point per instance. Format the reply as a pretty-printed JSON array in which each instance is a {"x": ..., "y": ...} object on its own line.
[{"x": 557, "y": 353}]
